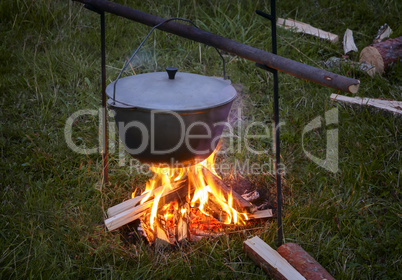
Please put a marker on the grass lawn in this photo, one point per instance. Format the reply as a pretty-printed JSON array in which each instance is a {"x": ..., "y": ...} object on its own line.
[{"x": 52, "y": 201}]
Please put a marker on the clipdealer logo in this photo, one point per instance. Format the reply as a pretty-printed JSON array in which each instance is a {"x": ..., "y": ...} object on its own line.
[{"x": 330, "y": 162}]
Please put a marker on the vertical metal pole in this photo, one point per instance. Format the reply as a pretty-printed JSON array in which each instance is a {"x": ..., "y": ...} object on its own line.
[
  {"x": 277, "y": 135},
  {"x": 272, "y": 18},
  {"x": 104, "y": 111},
  {"x": 103, "y": 79}
]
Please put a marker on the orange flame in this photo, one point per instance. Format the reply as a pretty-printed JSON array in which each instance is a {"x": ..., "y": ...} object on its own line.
[{"x": 204, "y": 190}]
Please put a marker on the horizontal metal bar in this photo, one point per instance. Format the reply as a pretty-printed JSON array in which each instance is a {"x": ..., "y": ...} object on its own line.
[
  {"x": 267, "y": 16},
  {"x": 280, "y": 63},
  {"x": 265, "y": 67}
]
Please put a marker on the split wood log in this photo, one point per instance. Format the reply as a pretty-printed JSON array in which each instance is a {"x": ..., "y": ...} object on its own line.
[
  {"x": 388, "y": 105},
  {"x": 178, "y": 193},
  {"x": 128, "y": 204},
  {"x": 262, "y": 214},
  {"x": 216, "y": 209},
  {"x": 280, "y": 63},
  {"x": 161, "y": 238},
  {"x": 303, "y": 262},
  {"x": 349, "y": 42},
  {"x": 205, "y": 233},
  {"x": 182, "y": 229},
  {"x": 270, "y": 260},
  {"x": 127, "y": 216},
  {"x": 307, "y": 28},
  {"x": 382, "y": 54},
  {"x": 383, "y": 33},
  {"x": 239, "y": 203},
  {"x": 222, "y": 216}
]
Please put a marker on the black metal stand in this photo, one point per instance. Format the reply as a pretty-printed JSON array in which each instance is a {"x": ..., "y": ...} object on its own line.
[
  {"x": 103, "y": 79},
  {"x": 272, "y": 18}
]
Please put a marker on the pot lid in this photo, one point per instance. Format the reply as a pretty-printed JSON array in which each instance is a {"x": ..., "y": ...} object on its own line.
[{"x": 180, "y": 92}]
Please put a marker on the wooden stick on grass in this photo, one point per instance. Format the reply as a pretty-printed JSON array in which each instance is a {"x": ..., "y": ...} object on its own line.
[{"x": 270, "y": 260}]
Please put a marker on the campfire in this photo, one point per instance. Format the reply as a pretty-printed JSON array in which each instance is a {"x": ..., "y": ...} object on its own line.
[
  {"x": 186, "y": 203},
  {"x": 176, "y": 118}
]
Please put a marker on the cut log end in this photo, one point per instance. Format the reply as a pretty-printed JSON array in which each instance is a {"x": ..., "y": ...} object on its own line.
[
  {"x": 354, "y": 88},
  {"x": 382, "y": 54},
  {"x": 372, "y": 56}
]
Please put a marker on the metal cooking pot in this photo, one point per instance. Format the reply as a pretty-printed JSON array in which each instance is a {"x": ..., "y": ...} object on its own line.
[{"x": 170, "y": 119}]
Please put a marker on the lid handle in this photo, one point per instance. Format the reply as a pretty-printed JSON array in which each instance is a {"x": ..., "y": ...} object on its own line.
[{"x": 171, "y": 72}]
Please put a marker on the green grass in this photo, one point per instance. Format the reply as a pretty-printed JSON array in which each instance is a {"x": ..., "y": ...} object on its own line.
[{"x": 53, "y": 203}]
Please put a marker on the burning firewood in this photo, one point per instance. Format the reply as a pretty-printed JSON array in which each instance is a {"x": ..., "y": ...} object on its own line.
[
  {"x": 239, "y": 202},
  {"x": 187, "y": 203},
  {"x": 182, "y": 229},
  {"x": 127, "y": 216},
  {"x": 128, "y": 204},
  {"x": 179, "y": 192},
  {"x": 267, "y": 213}
]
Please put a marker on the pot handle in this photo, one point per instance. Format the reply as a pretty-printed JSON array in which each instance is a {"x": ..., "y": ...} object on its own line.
[{"x": 142, "y": 43}]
